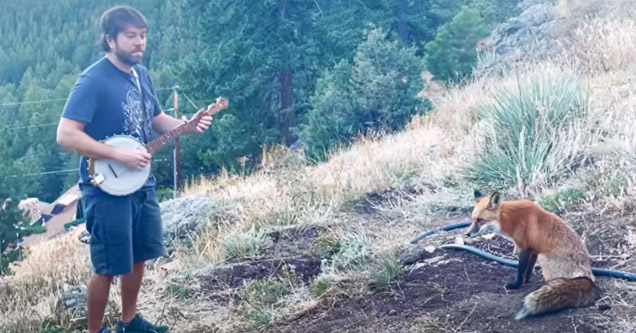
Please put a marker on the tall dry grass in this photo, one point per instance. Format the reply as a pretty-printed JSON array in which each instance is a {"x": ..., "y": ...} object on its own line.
[{"x": 30, "y": 294}]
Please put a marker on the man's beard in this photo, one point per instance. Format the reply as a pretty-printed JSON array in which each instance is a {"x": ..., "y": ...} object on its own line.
[{"x": 127, "y": 58}]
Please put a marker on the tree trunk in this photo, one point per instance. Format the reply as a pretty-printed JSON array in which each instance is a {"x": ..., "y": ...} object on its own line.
[
  {"x": 286, "y": 87},
  {"x": 403, "y": 27},
  {"x": 286, "y": 98}
]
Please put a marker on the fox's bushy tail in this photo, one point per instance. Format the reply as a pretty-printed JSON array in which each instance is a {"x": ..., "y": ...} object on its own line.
[{"x": 559, "y": 294}]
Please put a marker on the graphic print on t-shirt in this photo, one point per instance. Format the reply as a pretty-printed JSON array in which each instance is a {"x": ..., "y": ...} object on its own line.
[{"x": 136, "y": 122}]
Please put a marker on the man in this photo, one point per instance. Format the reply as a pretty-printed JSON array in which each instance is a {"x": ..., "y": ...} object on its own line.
[{"x": 108, "y": 99}]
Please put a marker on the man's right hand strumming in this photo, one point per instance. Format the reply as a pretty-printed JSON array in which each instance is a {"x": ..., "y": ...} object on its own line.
[
  {"x": 71, "y": 136},
  {"x": 132, "y": 157}
]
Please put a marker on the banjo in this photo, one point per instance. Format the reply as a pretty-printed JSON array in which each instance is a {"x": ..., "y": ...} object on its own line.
[{"x": 117, "y": 178}]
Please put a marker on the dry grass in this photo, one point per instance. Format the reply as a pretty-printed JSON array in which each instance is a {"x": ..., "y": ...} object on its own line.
[
  {"x": 30, "y": 295},
  {"x": 427, "y": 155},
  {"x": 601, "y": 45}
]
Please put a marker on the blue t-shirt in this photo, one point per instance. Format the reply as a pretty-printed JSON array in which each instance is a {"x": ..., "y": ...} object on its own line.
[{"x": 108, "y": 101}]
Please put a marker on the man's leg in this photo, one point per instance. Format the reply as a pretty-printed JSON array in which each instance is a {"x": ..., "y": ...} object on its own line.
[
  {"x": 109, "y": 221},
  {"x": 147, "y": 245},
  {"x": 130, "y": 285},
  {"x": 98, "y": 289}
]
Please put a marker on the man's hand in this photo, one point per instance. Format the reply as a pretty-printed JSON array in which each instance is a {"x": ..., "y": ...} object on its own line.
[
  {"x": 203, "y": 124},
  {"x": 132, "y": 157}
]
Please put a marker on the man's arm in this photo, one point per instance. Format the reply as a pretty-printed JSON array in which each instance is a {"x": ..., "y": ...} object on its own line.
[
  {"x": 164, "y": 123},
  {"x": 71, "y": 136}
]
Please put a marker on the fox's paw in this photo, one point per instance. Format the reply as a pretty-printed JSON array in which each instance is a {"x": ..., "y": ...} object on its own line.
[
  {"x": 513, "y": 285},
  {"x": 523, "y": 313}
]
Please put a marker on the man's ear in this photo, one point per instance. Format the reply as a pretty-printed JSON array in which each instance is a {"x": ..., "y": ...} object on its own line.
[
  {"x": 109, "y": 40},
  {"x": 478, "y": 194},
  {"x": 495, "y": 201}
]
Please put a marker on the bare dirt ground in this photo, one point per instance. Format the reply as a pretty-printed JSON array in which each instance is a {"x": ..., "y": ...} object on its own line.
[
  {"x": 442, "y": 291},
  {"x": 446, "y": 291}
]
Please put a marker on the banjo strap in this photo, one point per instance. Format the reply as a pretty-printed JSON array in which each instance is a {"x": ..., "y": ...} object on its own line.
[{"x": 143, "y": 104}]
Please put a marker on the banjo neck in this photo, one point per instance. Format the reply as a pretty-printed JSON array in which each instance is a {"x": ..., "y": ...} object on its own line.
[
  {"x": 188, "y": 126},
  {"x": 159, "y": 142}
]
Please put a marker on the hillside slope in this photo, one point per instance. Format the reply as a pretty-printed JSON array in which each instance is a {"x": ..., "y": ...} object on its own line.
[{"x": 322, "y": 248}]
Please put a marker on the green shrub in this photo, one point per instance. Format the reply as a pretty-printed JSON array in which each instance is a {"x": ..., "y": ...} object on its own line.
[
  {"x": 388, "y": 268},
  {"x": 532, "y": 134},
  {"x": 560, "y": 200},
  {"x": 259, "y": 300},
  {"x": 321, "y": 285},
  {"x": 243, "y": 245},
  {"x": 452, "y": 54},
  {"x": 376, "y": 92}
]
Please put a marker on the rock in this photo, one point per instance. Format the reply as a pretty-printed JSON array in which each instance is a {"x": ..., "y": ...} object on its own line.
[
  {"x": 529, "y": 35},
  {"x": 512, "y": 26},
  {"x": 171, "y": 266},
  {"x": 413, "y": 253},
  {"x": 524, "y": 5},
  {"x": 72, "y": 302},
  {"x": 537, "y": 15},
  {"x": 184, "y": 217}
]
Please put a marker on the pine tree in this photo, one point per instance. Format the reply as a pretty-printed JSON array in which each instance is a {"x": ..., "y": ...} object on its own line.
[{"x": 451, "y": 55}]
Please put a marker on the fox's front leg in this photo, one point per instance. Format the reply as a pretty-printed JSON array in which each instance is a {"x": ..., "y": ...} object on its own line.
[
  {"x": 524, "y": 259},
  {"x": 531, "y": 261}
]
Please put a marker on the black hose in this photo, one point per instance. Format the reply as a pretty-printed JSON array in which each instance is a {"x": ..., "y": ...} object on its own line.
[
  {"x": 513, "y": 263},
  {"x": 444, "y": 228}
]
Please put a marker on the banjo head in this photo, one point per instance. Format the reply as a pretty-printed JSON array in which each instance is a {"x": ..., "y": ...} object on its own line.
[{"x": 117, "y": 178}]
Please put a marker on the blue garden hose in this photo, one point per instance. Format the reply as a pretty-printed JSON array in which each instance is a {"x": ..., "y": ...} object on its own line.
[
  {"x": 513, "y": 263},
  {"x": 444, "y": 228},
  {"x": 614, "y": 274},
  {"x": 483, "y": 254},
  {"x": 508, "y": 262}
]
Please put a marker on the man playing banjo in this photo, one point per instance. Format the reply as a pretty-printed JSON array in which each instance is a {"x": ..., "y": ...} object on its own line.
[{"x": 116, "y": 96}]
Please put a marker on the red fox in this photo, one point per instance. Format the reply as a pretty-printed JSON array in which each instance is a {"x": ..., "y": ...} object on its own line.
[{"x": 564, "y": 260}]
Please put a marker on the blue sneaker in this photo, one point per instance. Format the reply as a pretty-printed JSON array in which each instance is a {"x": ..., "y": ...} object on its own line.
[
  {"x": 103, "y": 330},
  {"x": 139, "y": 325}
]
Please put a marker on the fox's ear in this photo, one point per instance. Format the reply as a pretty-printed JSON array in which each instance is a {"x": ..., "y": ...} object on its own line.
[
  {"x": 495, "y": 200},
  {"x": 478, "y": 194}
]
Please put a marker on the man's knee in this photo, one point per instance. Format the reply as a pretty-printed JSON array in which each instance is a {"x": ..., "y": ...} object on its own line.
[{"x": 103, "y": 277}]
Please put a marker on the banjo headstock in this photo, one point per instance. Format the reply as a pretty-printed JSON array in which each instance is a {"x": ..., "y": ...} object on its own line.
[{"x": 218, "y": 106}]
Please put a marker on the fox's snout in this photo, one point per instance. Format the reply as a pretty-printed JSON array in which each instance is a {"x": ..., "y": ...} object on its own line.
[{"x": 472, "y": 230}]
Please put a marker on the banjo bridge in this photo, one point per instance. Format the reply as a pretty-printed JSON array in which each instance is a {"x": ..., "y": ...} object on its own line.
[{"x": 112, "y": 170}]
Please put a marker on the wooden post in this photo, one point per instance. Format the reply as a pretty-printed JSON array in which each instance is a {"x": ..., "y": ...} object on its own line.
[{"x": 176, "y": 143}]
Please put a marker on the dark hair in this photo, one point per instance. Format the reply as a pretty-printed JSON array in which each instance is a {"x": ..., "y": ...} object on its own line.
[{"x": 114, "y": 20}]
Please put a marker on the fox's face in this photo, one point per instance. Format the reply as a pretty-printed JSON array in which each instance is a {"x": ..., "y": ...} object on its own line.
[{"x": 485, "y": 214}]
